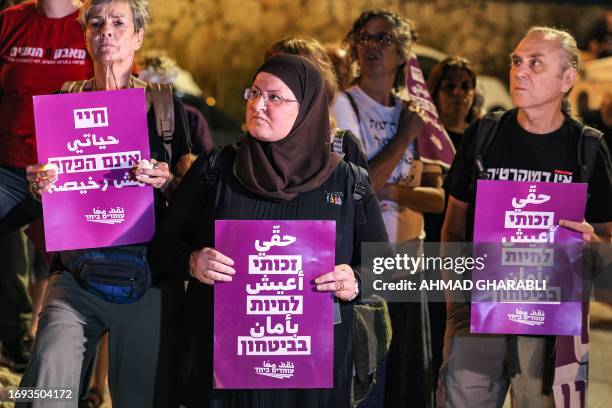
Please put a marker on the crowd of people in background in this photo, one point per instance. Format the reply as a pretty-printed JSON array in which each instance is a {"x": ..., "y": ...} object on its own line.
[{"x": 316, "y": 119}]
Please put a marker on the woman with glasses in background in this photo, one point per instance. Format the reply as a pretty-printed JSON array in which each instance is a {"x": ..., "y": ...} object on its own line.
[{"x": 380, "y": 44}]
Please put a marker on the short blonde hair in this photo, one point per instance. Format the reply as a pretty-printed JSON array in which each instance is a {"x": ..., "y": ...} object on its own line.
[{"x": 140, "y": 12}]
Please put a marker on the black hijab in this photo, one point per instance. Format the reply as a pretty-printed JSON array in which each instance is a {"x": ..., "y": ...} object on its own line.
[{"x": 302, "y": 160}]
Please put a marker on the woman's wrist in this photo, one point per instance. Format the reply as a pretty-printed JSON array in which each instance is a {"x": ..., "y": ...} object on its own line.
[
  {"x": 168, "y": 183},
  {"x": 169, "y": 187},
  {"x": 356, "y": 290},
  {"x": 35, "y": 195},
  {"x": 193, "y": 260}
]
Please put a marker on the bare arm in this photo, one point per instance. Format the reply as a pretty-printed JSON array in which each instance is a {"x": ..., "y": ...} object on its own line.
[
  {"x": 603, "y": 232},
  {"x": 383, "y": 164},
  {"x": 453, "y": 229},
  {"x": 596, "y": 233},
  {"x": 429, "y": 197}
]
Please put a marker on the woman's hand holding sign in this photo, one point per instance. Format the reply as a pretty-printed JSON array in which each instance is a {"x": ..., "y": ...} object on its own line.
[
  {"x": 154, "y": 173},
  {"x": 209, "y": 265},
  {"x": 40, "y": 178},
  {"x": 341, "y": 281}
]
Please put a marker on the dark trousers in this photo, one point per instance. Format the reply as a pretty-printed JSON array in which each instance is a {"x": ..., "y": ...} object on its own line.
[
  {"x": 15, "y": 304},
  {"x": 17, "y": 206}
]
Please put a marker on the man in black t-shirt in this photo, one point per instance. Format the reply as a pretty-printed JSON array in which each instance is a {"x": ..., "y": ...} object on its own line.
[{"x": 538, "y": 141}]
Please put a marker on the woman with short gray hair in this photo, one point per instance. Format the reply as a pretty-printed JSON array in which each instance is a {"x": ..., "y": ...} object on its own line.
[
  {"x": 112, "y": 290},
  {"x": 139, "y": 8}
]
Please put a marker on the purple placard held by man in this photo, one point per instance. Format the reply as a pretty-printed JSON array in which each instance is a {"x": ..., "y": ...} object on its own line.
[
  {"x": 433, "y": 142},
  {"x": 272, "y": 328},
  {"x": 93, "y": 139},
  {"x": 531, "y": 283}
]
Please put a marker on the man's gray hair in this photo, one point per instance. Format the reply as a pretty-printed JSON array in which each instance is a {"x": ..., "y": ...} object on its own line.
[
  {"x": 570, "y": 56},
  {"x": 140, "y": 11},
  {"x": 567, "y": 42}
]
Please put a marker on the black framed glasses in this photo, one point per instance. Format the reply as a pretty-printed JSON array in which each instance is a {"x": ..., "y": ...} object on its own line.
[
  {"x": 270, "y": 98},
  {"x": 382, "y": 39},
  {"x": 450, "y": 86}
]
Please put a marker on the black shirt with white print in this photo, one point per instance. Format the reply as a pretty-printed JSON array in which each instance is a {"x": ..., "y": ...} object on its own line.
[{"x": 518, "y": 155}]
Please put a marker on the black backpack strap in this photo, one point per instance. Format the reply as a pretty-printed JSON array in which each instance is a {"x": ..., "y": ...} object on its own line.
[
  {"x": 589, "y": 143},
  {"x": 353, "y": 104},
  {"x": 485, "y": 133},
  {"x": 210, "y": 172},
  {"x": 163, "y": 106},
  {"x": 487, "y": 129},
  {"x": 77, "y": 86},
  {"x": 216, "y": 159},
  {"x": 360, "y": 187},
  {"x": 338, "y": 142}
]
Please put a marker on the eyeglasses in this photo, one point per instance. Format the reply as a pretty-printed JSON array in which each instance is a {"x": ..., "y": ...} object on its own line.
[
  {"x": 382, "y": 39},
  {"x": 450, "y": 86},
  {"x": 252, "y": 94}
]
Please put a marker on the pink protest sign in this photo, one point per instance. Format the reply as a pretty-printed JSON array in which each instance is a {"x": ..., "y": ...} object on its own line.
[
  {"x": 533, "y": 263},
  {"x": 272, "y": 329},
  {"x": 433, "y": 142},
  {"x": 93, "y": 139}
]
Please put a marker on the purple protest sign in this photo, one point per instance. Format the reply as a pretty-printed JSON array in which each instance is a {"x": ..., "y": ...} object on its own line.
[
  {"x": 433, "y": 142},
  {"x": 93, "y": 139},
  {"x": 537, "y": 262},
  {"x": 272, "y": 328}
]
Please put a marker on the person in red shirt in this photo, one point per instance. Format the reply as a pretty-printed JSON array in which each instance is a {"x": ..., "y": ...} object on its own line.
[{"x": 41, "y": 46}]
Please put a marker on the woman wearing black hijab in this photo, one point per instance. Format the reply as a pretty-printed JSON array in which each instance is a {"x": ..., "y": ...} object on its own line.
[{"x": 281, "y": 169}]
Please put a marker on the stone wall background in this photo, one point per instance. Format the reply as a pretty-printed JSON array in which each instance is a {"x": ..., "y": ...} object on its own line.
[{"x": 222, "y": 41}]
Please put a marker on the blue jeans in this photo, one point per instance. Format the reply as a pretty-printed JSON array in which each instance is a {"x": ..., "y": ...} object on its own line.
[{"x": 17, "y": 206}]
